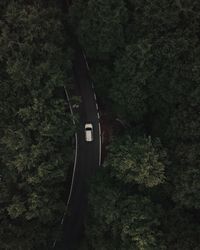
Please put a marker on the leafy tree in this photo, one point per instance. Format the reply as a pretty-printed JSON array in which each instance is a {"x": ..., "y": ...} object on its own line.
[
  {"x": 35, "y": 149},
  {"x": 140, "y": 221},
  {"x": 101, "y": 25},
  {"x": 184, "y": 128},
  {"x": 128, "y": 88},
  {"x": 182, "y": 229},
  {"x": 140, "y": 161},
  {"x": 150, "y": 77},
  {"x": 118, "y": 220}
]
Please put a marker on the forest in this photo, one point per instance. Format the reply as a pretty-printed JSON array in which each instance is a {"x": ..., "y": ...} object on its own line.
[
  {"x": 144, "y": 58},
  {"x": 36, "y": 127}
]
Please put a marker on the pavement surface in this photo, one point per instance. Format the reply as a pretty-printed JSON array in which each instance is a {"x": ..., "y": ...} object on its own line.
[{"x": 88, "y": 155}]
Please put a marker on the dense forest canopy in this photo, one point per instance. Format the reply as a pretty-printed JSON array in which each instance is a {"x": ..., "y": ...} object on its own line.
[
  {"x": 36, "y": 128},
  {"x": 144, "y": 58}
]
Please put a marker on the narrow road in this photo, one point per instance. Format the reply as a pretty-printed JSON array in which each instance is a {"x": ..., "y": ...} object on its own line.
[{"x": 88, "y": 156}]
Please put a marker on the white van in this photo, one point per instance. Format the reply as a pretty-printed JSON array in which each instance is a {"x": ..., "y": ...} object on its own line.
[{"x": 89, "y": 132}]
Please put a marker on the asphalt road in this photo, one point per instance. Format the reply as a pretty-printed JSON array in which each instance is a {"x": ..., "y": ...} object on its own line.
[{"x": 88, "y": 155}]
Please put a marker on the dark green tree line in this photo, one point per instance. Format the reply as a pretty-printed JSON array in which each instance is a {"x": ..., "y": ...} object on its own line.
[
  {"x": 149, "y": 77},
  {"x": 36, "y": 127},
  {"x": 122, "y": 215}
]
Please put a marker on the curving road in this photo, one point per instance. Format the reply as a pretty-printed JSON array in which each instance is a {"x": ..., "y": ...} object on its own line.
[{"x": 88, "y": 156}]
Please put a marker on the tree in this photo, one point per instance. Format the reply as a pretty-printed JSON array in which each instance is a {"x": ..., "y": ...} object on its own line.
[
  {"x": 128, "y": 88},
  {"x": 140, "y": 221},
  {"x": 101, "y": 26},
  {"x": 151, "y": 79},
  {"x": 118, "y": 220},
  {"x": 182, "y": 229},
  {"x": 184, "y": 128},
  {"x": 36, "y": 130},
  {"x": 140, "y": 161}
]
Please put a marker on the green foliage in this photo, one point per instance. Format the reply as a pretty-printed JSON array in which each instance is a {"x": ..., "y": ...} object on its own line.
[
  {"x": 138, "y": 161},
  {"x": 150, "y": 78},
  {"x": 182, "y": 229},
  {"x": 118, "y": 220},
  {"x": 101, "y": 25},
  {"x": 145, "y": 58},
  {"x": 185, "y": 128},
  {"x": 140, "y": 220},
  {"x": 35, "y": 127},
  {"x": 128, "y": 88}
]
